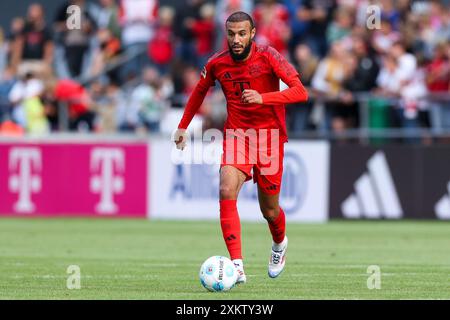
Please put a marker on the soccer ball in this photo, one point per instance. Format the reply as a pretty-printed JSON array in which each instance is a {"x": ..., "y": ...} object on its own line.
[{"x": 218, "y": 273}]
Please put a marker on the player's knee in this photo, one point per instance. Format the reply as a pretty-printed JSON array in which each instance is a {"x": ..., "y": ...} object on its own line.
[
  {"x": 227, "y": 193},
  {"x": 270, "y": 214}
]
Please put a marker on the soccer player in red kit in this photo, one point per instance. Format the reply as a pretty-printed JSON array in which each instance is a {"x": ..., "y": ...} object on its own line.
[{"x": 249, "y": 75}]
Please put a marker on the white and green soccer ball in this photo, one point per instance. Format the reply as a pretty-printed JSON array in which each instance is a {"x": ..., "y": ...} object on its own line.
[{"x": 218, "y": 273}]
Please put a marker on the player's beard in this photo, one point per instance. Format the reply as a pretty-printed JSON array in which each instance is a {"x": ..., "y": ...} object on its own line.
[{"x": 243, "y": 55}]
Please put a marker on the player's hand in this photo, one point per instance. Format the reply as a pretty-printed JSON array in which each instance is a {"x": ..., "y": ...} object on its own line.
[
  {"x": 180, "y": 138},
  {"x": 251, "y": 96}
]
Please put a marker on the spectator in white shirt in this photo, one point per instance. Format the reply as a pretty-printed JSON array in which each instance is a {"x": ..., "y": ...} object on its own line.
[{"x": 137, "y": 18}]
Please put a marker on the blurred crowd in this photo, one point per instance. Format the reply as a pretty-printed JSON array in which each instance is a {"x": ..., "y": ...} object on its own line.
[{"x": 131, "y": 64}]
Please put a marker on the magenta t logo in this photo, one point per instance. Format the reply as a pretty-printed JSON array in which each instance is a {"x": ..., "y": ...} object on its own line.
[
  {"x": 106, "y": 182},
  {"x": 22, "y": 161}
]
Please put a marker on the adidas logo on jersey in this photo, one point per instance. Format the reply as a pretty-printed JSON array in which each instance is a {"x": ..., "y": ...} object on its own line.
[
  {"x": 227, "y": 75},
  {"x": 375, "y": 195},
  {"x": 442, "y": 207}
]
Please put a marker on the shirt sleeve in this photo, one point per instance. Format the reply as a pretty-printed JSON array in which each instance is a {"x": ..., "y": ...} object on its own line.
[
  {"x": 287, "y": 73},
  {"x": 196, "y": 98}
]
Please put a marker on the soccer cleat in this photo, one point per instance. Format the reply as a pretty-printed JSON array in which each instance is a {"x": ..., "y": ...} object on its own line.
[
  {"x": 277, "y": 259},
  {"x": 240, "y": 271}
]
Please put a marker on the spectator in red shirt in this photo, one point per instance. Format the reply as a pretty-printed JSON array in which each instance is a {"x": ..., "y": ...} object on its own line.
[
  {"x": 78, "y": 103},
  {"x": 438, "y": 71},
  {"x": 438, "y": 81},
  {"x": 160, "y": 48},
  {"x": 203, "y": 31},
  {"x": 272, "y": 22}
]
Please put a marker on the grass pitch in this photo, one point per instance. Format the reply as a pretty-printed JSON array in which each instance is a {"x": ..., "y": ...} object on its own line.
[{"x": 140, "y": 259}]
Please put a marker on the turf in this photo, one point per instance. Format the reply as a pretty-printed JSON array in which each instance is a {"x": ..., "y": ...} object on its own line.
[{"x": 140, "y": 259}]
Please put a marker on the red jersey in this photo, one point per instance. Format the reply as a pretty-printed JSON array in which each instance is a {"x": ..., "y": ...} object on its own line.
[{"x": 262, "y": 72}]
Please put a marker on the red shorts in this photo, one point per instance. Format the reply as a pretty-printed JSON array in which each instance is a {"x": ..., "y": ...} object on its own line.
[{"x": 266, "y": 163}]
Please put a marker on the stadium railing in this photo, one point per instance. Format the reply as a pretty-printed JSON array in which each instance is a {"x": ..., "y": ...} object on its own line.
[{"x": 365, "y": 131}]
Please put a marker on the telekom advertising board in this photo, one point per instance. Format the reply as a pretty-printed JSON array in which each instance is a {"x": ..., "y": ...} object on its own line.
[{"x": 82, "y": 179}]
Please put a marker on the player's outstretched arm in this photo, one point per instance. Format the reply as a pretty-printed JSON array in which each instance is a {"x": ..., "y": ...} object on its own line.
[
  {"x": 294, "y": 94},
  {"x": 192, "y": 106},
  {"x": 286, "y": 72}
]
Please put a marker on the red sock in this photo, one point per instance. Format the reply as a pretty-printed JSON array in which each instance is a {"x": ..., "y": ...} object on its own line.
[
  {"x": 278, "y": 227},
  {"x": 231, "y": 227}
]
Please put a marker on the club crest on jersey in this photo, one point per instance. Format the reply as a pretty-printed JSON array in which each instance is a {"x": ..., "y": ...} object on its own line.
[
  {"x": 203, "y": 73},
  {"x": 255, "y": 70}
]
